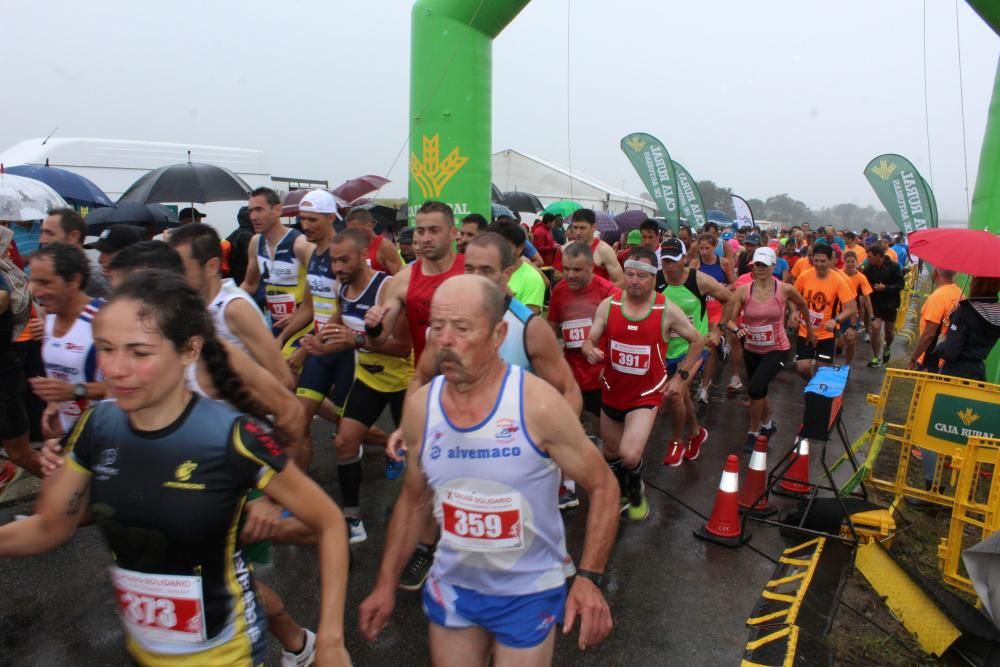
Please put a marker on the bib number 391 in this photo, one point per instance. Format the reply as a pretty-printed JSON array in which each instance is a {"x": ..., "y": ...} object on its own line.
[
  {"x": 476, "y": 522},
  {"x": 160, "y": 607},
  {"x": 630, "y": 359}
]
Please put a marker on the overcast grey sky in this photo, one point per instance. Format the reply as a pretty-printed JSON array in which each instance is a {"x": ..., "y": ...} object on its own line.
[{"x": 763, "y": 96}]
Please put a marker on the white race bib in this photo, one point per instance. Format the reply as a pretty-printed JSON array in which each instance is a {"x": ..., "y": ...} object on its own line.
[
  {"x": 630, "y": 359},
  {"x": 762, "y": 336},
  {"x": 816, "y": 319},
  {"x": 482, "y": 522},
  {"x": 280, "y": 303},
  {"x": 576, "y": 331},
  {"x": 160, "y": 607}
]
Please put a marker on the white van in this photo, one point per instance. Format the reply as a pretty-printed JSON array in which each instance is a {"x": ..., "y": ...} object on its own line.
[{"x": 115, "y": 164}]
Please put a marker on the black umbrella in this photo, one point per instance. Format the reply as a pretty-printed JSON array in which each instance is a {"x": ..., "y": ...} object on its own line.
[
  {"x": 187, "y": 182},
  {"x": 154, "y": 216},
  {"x": 521, "y": 201},
  {"x": 495, "y": 194}
]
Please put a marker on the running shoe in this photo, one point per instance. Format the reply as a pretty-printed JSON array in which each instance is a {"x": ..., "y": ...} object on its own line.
[
  {"x": 723, "y": 349},
  {"x": 417, "y": 569},
  {"x": 694, "y": 444},
  {"x": 702, "y": 394},
  {"x": 917, "y": 453},
  {"x": 356, "y": 528},
  {"x": 735, "y": 384},
  {"x": 749, "y": 443},
  {"x": 886, "y": 355},
  {"x": 769, "y": 431},
  {"x": 9, "y": 474},
  {"x": 868, "y": 337},
  {"x": 675, "y": 454},
  {"x": 875, "y": 362},
  {"x": 304, "y": 657},
  {"x": 638, "y": 510},
  {"x": 567, "y": 498}
]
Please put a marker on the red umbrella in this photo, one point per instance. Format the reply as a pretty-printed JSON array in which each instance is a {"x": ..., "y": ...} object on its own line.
[
  {"x": 972, "y": 251},
  {"x": 359, "y": 187}
]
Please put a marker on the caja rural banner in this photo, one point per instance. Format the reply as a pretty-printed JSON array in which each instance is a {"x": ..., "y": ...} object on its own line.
[
  {"x": 652, "y": 161},
  {"x": 903, "y": 192},
  {"x": 689, "y": 198},
  {"x": 948, "y": 413}
]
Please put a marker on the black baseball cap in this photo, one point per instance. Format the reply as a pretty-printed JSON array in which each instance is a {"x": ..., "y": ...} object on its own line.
[
  {"x": 752, "y": 239},
  {"x": 116, "y": 237},
  {"x": 406, "y": 235},
  {"x": 672, "y": 249},
  {"x": 190, "y": 212}
]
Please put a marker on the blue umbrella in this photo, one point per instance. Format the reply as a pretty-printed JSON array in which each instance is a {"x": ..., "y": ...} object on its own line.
[
  {"x": 72, "y": 187},
  {"x": 718, "y": 216}
]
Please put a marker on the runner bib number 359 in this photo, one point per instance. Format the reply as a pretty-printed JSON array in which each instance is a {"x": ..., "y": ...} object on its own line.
[
  {"x": 630, "y": 359},
  {"x": 160, "y": 607},
  {"x": 575, "y": 332},
  {"x": 478, "y": 522}
]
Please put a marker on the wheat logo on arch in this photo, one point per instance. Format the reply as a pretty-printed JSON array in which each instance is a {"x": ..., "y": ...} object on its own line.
[{"x": 432, "y": 173}]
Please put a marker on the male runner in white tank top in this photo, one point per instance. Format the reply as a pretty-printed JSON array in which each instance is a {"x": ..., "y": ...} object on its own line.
[
  {"x": 486, "y": 460},
  {"x": 238, "y": 320}
]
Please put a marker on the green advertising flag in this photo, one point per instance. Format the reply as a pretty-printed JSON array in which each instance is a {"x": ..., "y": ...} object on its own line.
[
  {"x": 902, "y": 191},
  {"x": 933, "y": 200},
  {"x": 692, "y": 206},
  {"x": 651, "y": 159}
]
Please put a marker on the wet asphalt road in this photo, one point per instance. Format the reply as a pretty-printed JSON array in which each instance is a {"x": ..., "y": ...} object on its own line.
[{"x": 676, "y": 600}]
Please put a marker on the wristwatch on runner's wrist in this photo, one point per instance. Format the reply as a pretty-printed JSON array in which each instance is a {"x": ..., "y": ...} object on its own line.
[
  {"x": 360, "y": 340},
  {"x": 597, "y": 578},
  {"x": 79, "y": 392},
  {"x": 684, "y": 374}
]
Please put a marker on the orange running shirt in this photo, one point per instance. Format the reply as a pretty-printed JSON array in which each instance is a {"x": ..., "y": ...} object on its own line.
[{"x": 824, "y": 298}]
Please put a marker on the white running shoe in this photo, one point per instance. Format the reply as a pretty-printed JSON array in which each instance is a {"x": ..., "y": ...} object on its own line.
[
  {"x": 735, "y": 384},
  {"x": 356, "y": 528},
  {"x": 304, "y": 657},
  {"x": 702, "y": 394}
]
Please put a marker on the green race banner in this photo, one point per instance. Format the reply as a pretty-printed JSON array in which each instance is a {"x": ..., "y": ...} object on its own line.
[
  {"x": 956, "y": 419},
  {"x": 652, "y": 161},
  {"x": 689, "y": 197},
  {"x": 902, "y": 191},
  {"x": 933, "y": 200}
]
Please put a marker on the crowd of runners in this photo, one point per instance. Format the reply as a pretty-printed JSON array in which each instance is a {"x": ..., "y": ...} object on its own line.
[{"x": 516, "y": 364}]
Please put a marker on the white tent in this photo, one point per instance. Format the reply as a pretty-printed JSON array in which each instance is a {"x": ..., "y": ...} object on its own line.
[{"x": 551, "y": 182}]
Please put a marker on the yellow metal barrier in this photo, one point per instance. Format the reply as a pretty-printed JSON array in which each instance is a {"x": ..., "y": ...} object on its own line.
[
  {"x": 935, "y": 413},
  {"x": 976, "y": 512},
  {"x": 956, "y": 422}
]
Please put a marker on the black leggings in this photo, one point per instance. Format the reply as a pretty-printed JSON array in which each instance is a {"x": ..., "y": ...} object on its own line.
[{"x": 761, "y": 369}]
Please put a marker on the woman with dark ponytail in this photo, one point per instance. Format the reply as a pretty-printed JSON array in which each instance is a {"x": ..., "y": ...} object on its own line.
[{"x": 165, "y": 473}]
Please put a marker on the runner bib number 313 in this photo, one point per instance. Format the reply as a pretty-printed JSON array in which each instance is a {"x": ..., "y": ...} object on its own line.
[
  {"x": 479, "y": 522},
  {"x": 160, "y": 607}
]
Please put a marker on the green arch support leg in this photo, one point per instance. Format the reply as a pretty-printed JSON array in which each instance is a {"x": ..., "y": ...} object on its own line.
[{"x": 451, "y": 100}]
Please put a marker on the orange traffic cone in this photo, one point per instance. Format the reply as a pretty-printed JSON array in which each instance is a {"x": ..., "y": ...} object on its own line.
[
  {"x": 796, "y": 478},
  {"x": 755, "y": 484},
  {"x": 723, "y": 527}
]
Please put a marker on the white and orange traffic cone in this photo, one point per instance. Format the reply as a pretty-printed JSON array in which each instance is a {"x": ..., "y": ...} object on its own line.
[
  {"x": 723, "y": 527},
  {"x": 796, "y": 478},
  {"x": 755, "y": 483}
]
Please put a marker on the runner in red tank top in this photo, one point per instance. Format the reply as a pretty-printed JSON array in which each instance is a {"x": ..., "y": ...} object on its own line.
[
  {"x": 582, "y": 229},
  {"x": 636, "y": 327},
  {"x": 382, "y": 254},
  {"x": 412, "y": 288}
]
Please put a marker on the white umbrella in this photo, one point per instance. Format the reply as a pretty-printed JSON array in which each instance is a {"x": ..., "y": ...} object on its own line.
[{"x": 26, "y": 199}]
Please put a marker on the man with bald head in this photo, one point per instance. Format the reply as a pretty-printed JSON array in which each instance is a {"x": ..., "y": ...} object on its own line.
[{"x": 496, "y": 441}]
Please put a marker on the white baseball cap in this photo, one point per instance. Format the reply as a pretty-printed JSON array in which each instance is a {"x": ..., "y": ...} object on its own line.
[
  {"x": 319, "y": 201},
  {"x": 765, "y": 255}
]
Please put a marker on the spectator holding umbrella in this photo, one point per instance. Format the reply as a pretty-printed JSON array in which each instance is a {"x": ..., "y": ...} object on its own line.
[{"x": 973, "y": 331}]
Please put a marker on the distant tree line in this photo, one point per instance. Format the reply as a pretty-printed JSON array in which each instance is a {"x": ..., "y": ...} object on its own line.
[{"x": 787, "y": 210}]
